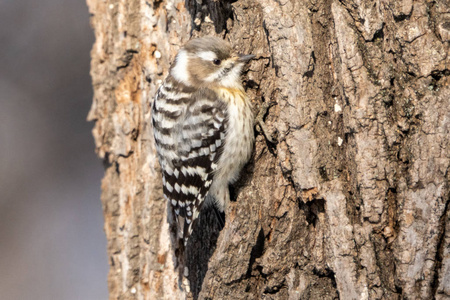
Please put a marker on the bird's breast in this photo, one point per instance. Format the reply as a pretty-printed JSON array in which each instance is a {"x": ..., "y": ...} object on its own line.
[
  {"x": 239, "y": 136},
  {"x": 233, "y": 96}
]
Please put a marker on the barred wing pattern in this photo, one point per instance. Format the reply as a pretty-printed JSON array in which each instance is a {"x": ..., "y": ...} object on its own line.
[{"x": 189, "y": 127}]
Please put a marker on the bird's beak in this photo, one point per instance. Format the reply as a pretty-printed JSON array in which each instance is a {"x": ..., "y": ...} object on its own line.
[{"x": 245, "y": 57}]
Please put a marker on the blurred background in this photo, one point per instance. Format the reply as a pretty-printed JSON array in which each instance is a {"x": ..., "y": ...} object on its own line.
[{"x": 52, "y": 244}]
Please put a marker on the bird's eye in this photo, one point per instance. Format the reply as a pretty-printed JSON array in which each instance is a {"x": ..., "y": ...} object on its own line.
[{"x": 217, "y": 62}]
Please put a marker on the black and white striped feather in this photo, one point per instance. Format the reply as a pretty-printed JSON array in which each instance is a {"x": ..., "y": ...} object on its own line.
[{"x": 189, "y": 127}]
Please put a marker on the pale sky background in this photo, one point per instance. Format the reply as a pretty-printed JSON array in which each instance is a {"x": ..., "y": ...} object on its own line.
[{"x": 52, "y": 244}]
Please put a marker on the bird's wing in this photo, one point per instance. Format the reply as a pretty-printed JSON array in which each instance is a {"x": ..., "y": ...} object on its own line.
[{"x": 193, "y": 145}]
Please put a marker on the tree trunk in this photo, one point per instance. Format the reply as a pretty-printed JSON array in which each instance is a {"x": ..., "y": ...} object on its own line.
[{"x": 351, "y": 202}]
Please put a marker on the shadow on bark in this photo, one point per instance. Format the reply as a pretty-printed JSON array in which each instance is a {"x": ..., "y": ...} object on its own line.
[
  {"x": 201, "y": 246},
  {"x": 218, "y": 11}
]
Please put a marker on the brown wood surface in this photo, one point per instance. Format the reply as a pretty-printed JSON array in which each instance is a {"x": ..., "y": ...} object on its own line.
[{"x": 352, "y": 200}]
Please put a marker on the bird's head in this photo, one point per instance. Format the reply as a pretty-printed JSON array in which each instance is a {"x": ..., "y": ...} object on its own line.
[{"x": 208, "y": 61}]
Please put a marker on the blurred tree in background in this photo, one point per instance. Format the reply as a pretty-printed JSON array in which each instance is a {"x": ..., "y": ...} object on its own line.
[{"x": 52, "y": 243}]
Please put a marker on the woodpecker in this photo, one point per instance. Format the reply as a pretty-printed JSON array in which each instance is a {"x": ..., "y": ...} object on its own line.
[{"x": 203, "y": 128}]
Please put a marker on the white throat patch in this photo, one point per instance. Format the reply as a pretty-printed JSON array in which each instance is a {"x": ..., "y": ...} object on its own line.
[
  {"x": 230, "y": 80},
  {"x": 180, "y": 71}
]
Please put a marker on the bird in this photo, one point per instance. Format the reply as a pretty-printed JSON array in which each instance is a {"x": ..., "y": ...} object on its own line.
[{"x": 203, "y": 129}]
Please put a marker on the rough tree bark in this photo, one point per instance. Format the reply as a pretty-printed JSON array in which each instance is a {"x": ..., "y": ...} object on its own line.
[{"x": 352, "y": 200}]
